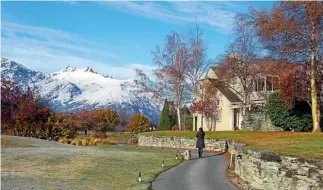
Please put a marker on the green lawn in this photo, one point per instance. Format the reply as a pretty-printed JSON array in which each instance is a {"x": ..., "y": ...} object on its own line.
[
  {"x": 305, "y": 145},
  {"x": 115, "y": 137},
  {"x": 62, "y": 166}
]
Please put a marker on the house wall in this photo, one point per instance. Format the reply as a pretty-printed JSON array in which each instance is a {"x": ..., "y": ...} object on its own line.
[
  {"x": 211, "y": 74},
  {"x": 224, "y": 121}
]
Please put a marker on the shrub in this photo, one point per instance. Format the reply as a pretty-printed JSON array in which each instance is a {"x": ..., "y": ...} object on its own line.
[
  {"x": 85, "y": 142},
  {"x": 105, "y": 142},
  {"x": 138, "y": 123},
  {"x": 78, "y": 142},
  {"x": 98, "y": 134},
  {"x": 62, "y": 140},
  {"x": 68, "y": 141},
  {"x": 189, "y": 123},
  {"x": 73, "y": 142},
  {"x": 132, "y": 140},
  {"x": 175, "y": 127},
  {"x": 297, "y": 118},
  {"x": 96, "y": 142}
]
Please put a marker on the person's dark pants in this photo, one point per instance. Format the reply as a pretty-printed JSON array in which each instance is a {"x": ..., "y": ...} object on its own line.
[{"x": 200, "y": 152}]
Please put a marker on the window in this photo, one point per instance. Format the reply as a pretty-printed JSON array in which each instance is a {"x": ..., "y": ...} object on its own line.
[
  {"x": 272, "y": 84},
  {"x": 259, "y": 84}
]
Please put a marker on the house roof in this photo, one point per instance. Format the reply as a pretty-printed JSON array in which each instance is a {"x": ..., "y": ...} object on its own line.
[
  {"x": 226, "y": 91},
  {"x": 219, "y": 71}
]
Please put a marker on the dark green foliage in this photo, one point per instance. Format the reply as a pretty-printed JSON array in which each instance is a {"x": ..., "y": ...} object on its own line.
[
  {"x": 186, "y": 111},
  {"x": 188, "y": 123},
  {"x": 298, "y": 118},
  {"x": 188, "y": 119},
  {"x": 276, "y": 110},
  {"x": 172, "y": 113},
  {"x": 164, "y": 119}
]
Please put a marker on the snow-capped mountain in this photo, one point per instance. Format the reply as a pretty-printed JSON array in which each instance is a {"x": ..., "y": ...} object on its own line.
[
  {"x": 21, "y": 75},
  {"x": 73, "y": 89}
]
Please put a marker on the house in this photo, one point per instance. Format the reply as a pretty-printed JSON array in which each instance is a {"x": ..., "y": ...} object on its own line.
[{"x": 229, "y": 99}]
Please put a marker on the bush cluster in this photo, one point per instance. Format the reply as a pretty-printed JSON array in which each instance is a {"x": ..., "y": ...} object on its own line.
[
  {"x": 85, "y": 141},
  {"x": 297, "y": 118}
]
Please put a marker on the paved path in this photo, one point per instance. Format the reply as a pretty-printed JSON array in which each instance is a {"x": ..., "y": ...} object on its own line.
[{"x": 205, "y": 173}]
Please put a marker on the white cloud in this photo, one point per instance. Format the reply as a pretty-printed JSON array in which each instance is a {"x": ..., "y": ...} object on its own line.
[
  {"x": 50, "y": 50},
  {"x": 214, "y": 14}
]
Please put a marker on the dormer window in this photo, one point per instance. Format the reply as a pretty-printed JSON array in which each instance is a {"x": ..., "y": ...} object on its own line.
[
  {"x": 268, "y": 83},
  {"x": 259, "y": 84}
]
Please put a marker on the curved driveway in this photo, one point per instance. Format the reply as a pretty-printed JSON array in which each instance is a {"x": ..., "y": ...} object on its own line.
[{"x": 205, "y": 173}]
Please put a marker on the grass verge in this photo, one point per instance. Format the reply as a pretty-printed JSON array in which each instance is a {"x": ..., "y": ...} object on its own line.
[
  {"x": 305, "y": 145},
  {"x": 81, "y": 167}
]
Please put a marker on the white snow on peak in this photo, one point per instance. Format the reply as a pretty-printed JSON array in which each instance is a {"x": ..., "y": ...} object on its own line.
[{"x": 82, "y": 88}]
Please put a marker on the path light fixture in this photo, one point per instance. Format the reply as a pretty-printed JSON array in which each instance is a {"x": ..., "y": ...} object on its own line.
[
  {"x": 176, "y": 157},
  {"x": 163, "y": 149},
  {"x": 139, "y": 177},
  {"x": 226, "y": 147},
  {"x": 163, "y": 163}
]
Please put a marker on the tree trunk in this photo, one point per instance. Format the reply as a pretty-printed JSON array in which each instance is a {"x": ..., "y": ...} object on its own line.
[
  {"x": 179, "y": 119},
  {"x": 315, "y": 105}
]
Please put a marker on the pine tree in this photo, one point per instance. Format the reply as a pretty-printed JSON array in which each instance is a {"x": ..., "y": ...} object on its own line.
[
  {"x": 164, "y": 119},
  {"x": 172, "y": 113},
  {"x": 188, "y": 118},
  {"x": 186, "y": 111}
]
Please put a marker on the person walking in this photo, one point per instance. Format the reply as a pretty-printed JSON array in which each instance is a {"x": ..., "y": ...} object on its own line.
[{"x": 200, "y": 144}]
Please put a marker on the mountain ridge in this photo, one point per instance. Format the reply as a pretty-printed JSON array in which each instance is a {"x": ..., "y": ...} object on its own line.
[{"x": 74, "y": 89}]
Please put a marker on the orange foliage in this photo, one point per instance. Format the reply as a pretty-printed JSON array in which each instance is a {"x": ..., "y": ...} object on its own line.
[{"x": 138, "y": 123}]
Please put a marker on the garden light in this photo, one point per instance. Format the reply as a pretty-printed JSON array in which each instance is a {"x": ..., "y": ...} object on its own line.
[{"x": 139, "y": 178}]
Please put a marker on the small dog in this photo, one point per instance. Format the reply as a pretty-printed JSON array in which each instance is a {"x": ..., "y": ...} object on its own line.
[{"x": 187, "y": 155}]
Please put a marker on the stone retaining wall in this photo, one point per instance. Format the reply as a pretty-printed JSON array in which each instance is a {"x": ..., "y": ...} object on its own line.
[
  {"x": 266, "y": 170},
  {"x": 263, "y": 170},
  {"x": 182, "y": 142}
]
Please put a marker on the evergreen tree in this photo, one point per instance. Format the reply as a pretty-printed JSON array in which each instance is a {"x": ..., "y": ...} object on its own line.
[
  {"x": 188, "y": 118},
  {"x": 172, "y": 113},
  {"x": 186, "y": 111},
  {"x": 164, "y": 122}
]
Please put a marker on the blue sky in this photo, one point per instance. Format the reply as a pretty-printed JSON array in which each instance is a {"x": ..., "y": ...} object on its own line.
[{"x": 111, "y": 37}]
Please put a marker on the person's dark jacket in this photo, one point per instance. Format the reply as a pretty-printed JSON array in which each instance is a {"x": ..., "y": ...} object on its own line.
[{"x": 200, "y": 139}]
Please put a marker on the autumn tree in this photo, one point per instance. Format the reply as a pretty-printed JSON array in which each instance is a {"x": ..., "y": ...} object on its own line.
[
  {"x": 242, "y": 60},
  {"x": 102, "y": 120},
  {"x": 198, "y": 62},
  {"x": 293, "y": 31},
  {"x": 138, "y": 123},
  {"x": 112, "y": 118},
  {"x": 83, "y": 120},
  {"x": 206, "y": 100},
  {"x": 9, "y": 98},
  {"x": 21, "y": 111},
  {"x": 169, "y": 81}
]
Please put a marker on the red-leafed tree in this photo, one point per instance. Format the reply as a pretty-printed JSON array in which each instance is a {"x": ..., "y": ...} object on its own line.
[
  {"x": 83, "y": 120},
  {"x": 207, "y": 102},
  {"x": 21, "y": 111},
  {"x": 293, "y": 31}
]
